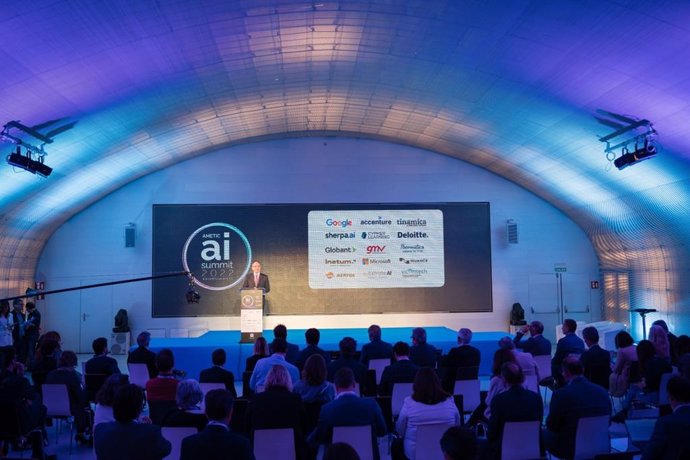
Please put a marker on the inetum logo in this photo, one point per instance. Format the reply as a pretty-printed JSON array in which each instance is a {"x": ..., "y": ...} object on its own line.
[
  {"x": 376, "y": 249},
  {"x": 339, "y": 223}
]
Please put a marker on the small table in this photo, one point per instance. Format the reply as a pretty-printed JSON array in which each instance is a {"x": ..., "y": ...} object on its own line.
[{"x": 643, "y": 313}]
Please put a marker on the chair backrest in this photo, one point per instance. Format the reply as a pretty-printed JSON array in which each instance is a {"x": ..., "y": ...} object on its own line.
[
  {"x": 520, "y": 440},
  {"x": 93, "y": 383},
  {"x": 205, "y": 388},
  {"x": 400, "y": 392},
  {"x": 379, "y": 365},
  {"x": 175, "y": 435},
  {"x": 56, "y": 400},
  {"x": 592, "y": 437},
  {"x": 359, "y": 437},
  {"x": 543, "y": 366},
  {"x": 428, "y": 440},
  {"x": 531, "y": 383},
  {"x": 158, "y": 410},
  {"x": 274, "y": 443},
  {"x": 663, "y": 393},
  {"x": 469, "y": 389},
  {"x": 138, "y": 374}
]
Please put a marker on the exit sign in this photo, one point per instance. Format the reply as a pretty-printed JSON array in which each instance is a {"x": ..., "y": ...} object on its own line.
[{"x": 560, "y": 268}]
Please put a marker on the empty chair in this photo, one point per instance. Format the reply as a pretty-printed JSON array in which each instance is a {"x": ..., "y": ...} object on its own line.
[
  {"x": 531, "y": 383},
  {"x": 358, "y": 437},
  {"x": 278, "y": 443},
  {"x": 428, "y": 437},
  {"x": 56, "y": 400},
  {"x": 379, "y": 365},
  {"x": 544, "y": 371},
  {"x": 138, "y": 374},
  {"x": 592, "y": 437},
  {"x": 469, "y": 389},
  {"x": 400, "y": 392},
  {"x": 520, "y": 440},
  {"x": 175, "y": 435}
]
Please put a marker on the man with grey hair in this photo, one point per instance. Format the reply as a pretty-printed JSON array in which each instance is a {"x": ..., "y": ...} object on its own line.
[
  {"x": 461, "y": 362},
  {"x": 421, "y": 353},
  {"x": 142, "y": 354},
  {"x": 376, "y": 348},
  {"x": 537, "y": 344}
]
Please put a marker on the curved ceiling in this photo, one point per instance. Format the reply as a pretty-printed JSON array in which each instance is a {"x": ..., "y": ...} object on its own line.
[{"x": 509, "y": 86}]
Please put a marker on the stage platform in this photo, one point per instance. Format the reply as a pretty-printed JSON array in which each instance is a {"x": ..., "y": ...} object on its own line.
[{"x": 194, "y": 354}]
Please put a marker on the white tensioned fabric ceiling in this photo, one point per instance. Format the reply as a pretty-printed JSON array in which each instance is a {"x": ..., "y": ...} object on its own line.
[{"x": 511, "y": 86}]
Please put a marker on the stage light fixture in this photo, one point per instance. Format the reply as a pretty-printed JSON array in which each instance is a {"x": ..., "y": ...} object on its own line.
[
  {"x": 27, "y": 163},
  {"x": 647, "y": 151}
]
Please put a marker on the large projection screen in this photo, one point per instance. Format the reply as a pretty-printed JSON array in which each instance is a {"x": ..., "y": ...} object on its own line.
[{"x": 325, "y": 258}]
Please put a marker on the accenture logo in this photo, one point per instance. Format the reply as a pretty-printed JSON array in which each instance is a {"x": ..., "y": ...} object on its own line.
[
  {"x": 378, "y": 221},
  {"x": 411, "y": 222}
]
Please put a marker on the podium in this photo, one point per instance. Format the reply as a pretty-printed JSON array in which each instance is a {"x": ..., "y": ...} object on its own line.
[{"x": 251, "y": 314}]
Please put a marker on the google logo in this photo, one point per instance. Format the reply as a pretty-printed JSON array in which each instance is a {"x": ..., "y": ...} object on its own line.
[{"x": 338, "y": 223}]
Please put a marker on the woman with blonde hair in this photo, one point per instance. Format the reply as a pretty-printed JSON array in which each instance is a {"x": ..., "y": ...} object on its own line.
[
  {"x": 659, "y": 338},
  {"x": 260, "y": 351}
]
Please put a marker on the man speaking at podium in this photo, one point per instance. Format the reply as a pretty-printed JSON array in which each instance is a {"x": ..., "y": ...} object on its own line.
[{"x": 256, "y": 279}]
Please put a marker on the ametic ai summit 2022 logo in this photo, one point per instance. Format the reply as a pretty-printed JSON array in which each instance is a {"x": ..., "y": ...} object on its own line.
[{"x": 219, "y": 256}]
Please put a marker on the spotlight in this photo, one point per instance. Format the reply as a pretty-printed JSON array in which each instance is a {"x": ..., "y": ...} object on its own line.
[
  {"x": 647, "y": 151},
  {"x": 27, "y": 163}
]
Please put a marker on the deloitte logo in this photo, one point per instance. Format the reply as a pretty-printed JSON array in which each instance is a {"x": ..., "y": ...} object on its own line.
[{"x": 218, "y": 254}]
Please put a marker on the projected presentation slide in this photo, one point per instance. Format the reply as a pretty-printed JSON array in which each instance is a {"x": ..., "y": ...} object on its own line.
[
  {"x": 376, "y": 249},
  {"x": 325, "y": 258}
]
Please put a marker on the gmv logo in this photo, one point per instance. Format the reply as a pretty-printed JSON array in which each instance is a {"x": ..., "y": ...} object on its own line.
[{"x": 375, "y": 249}]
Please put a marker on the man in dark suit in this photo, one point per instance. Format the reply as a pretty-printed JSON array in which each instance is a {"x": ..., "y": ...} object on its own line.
[
  {"x": 578, "y": 398},
  {"x": 216, "y": 441},
  {"x": 125, "y": 438},
  {"x": 537, "y": 344},
  {"x": 670, "y": 438},
  {"x": 376, "y": 348},
  {"x": 312, "y": 336},
  {"x": 256, "y": 279},
  {"x": 464, "y": 356},
  {"x": 401, "y": 371},
  {"x": 142, "y": 354},
  {"x": 595, "y": 360},
  {"x": 569, "y": 344},
  {"x": 421, "y": 353},
  {"x": 217, "y": 374},
  {"x": 101, "y": 363},
  {"x": 348, "y": 347},
  {"x": 280, "y": 332},
  {"x": 516, "y": 404},
  {"x": 348, "y": 409}
]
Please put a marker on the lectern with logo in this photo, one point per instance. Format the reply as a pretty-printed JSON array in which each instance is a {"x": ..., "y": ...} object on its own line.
[{"x": 251, "y": 314}]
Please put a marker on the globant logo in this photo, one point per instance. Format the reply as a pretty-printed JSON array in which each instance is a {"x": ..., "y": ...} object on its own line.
[
  {"x": 339, "y": 223},
  {"x": 339, "y": 235},
  {"x": 375, "y": 236},
  {"x": 331, "y": 249},
  {"x": 411, "y": 222},
  {"x": 413, "y": 261},
  {"x": 411, "y": 248},
  {"x": 379, "y": 221},
  {"x": 412, "y": 235}
]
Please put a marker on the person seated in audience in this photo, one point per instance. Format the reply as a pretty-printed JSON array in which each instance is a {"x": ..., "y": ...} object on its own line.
[
  {"x": 523, "y": 359},
  {"x": 313, "y": 387},
  {"x": 312, "y": 336},
  {"x": 659, "y": 338},
  {"x": 260, "y": 352},
  {"x": 125, "y": 438},
  {"x": 348, "y": 348},
  {"x": 292, "y": 350},
  {"x": 187, "y": 412},
  {"x": 651, "y": 368},
  {"x": 142, "y": 354},
  {"x": 45, "y": 361},
  {"x": 106, "y": 397},
  {"x": 578, "y": 398},
  {"x": 216, "y": 441},
  {"x": 497, "y": 384},
  {"x": 67, "y": 374},
  {"x": 278, "y": 407},
  {"x": 516, "y": 404},
  {"x": 459, "y": 443},
  {"x": 16, "y": 391},
  {"x": 101, "y": 363},
  {"x": 53, "y": 336},
  {"x": 422, "y": 353},
  {"x": 263, "y": 366},
  {"x": 217, "y": 374},
  {"x": 348, "y": 409},
  {"x": 465, "y": 357},
  {"x": 163, "y": 387},
  {"x": 376, "y": 348},
  {"x": 670, "y": 438},
  {"x": 537, "y": 344},
  {"x": 683, "y": 352},
  {"x": 401, "y": 371},
  {"x": 570, "y": 344},
  {"x": 625, "y": 369},
  {"x": 340, "y": 451},
  {"x": 429, "y": 403},
  {"x": 595, "y": 360},
  {"x": 671, "y": 338}
]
